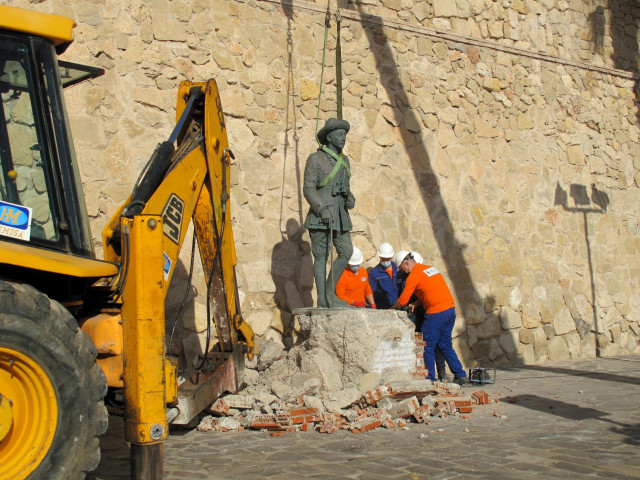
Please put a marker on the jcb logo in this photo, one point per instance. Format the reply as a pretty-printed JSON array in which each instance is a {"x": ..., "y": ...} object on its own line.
[{"x": 172, "y": 218}]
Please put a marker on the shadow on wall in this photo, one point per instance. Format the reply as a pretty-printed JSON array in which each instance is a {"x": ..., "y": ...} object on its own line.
[
  {"x": 292, "y": 269},
  {"x": 624, "y": 17},
  {"x": 469, "y": 301},
  {"x": 290, "y": 123},
  {"x": 596, "y": 203},
  {"x": 291, "y": 261},
  {"x": 180, "y": 315}
]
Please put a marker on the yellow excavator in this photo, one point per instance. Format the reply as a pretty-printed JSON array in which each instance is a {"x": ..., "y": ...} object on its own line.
[{"x": 73, "y": 327}]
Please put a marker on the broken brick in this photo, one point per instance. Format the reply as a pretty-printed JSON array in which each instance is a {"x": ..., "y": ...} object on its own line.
[
  {"x": 385, "y": 402},
  {"x": 439, "y": 410},
  {"x": 373, "y": 396},
  {"x": 365, "y": 425},
  {"x": 307, "y": 427},
  {"x": 480, "y": 397},
  {"x": 283, "y": 419},
  {"x": 220, "y": 407},
  {"x": 240, "y": 402},
  {"x": 303, "y": 411},
  {"x": 421, "y": 414},
  {"x": 267, "y": 422},
  {"x": 404, "y": 408},
  {"x": 304, "y": 415},
  {"x": 327, "y": 427},
  {"x": 463, "y": 405}
]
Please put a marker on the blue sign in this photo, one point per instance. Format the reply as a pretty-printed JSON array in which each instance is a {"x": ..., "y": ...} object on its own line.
[{"x": 15, "y": 220}]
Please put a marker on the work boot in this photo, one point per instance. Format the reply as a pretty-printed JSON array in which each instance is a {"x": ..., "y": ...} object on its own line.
[
  {"x": 461, "y": 380},
  {"x": 442, "y": 375}
]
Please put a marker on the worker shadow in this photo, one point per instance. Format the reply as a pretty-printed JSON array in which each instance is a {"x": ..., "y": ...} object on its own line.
[
  {"x": 620, "y": 21},
  {"x": 292, "y": 272},
  {"x": 575, "y": 412}
]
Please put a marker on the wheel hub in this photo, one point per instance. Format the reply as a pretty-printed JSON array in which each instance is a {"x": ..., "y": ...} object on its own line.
[
  {"x": 6, "y": 416},
  {"x": 28, "y": 414}
]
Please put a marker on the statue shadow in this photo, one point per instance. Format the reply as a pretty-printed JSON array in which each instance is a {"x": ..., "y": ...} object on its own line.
[{"x": 292, "y": 273}]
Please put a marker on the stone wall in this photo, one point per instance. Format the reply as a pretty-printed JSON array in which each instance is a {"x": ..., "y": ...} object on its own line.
[{"x": 498, "y": 139}]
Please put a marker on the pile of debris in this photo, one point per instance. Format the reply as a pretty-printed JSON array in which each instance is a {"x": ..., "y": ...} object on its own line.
[
  {"x": 352, "y": 369},
  {"x": 389, "y": 406}
]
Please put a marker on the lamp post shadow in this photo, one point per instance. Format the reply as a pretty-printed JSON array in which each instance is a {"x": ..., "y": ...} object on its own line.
[{"x": 598, "y": 203}]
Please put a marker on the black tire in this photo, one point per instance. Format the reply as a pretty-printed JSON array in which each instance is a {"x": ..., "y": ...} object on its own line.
[{"x": 43, "y": 330}]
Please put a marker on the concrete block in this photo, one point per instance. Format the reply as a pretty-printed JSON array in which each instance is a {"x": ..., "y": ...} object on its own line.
[{"x": 362, "y": 341}]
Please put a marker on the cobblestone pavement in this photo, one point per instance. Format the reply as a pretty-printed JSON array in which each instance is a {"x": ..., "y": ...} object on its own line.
[{"x": 577, "y": 419}]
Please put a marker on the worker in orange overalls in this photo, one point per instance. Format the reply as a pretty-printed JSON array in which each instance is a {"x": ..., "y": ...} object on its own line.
[
  {"x": 353, "y": 286},
  {"x": 440, "y": 315}
]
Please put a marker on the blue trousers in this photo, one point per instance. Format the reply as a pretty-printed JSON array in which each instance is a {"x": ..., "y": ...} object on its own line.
[{"x": 436, "y": 331}]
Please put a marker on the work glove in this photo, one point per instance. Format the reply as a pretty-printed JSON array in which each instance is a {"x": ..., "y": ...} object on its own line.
[
  {"x": 326, "y": 216},
  {"x": 373, "y": 305},
  {"x": 350, "y": 202},
  {"x": 358, "y": 303}
]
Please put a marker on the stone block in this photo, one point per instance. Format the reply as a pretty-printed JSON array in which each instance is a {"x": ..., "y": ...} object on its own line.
[
  {"x": 558, "y": 350},
  {"x": 445, "y": 8},
  {"x": 269, "y": 353},
  {"x": 563, "y": 322},
  {"x": 489, "y": 328},
  {"x": 539, "y": 342},
  {"x": 509, "y": 318},
  {"x": 509, "y": 341},
  {"x": 259, "y": 322},
  {"x": 574, "y": 344}
]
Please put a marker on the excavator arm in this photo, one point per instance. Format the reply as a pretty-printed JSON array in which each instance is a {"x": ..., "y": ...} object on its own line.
[{"x": 186, "y": 179}]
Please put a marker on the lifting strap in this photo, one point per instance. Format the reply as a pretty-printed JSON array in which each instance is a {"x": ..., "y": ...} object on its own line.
[
  {"x": 327, "y": 25},
  {"x": 338, "y": 64},
  {"x": 339, "y": 163}
]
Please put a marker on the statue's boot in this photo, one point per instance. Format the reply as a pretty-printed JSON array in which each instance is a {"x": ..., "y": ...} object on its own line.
[
  {"x": 333, "y": 301},
  {"x": 322, "y": 297}
]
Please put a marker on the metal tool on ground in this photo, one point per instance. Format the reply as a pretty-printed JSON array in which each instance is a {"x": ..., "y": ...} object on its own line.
[{"x": 482, "y": 375}]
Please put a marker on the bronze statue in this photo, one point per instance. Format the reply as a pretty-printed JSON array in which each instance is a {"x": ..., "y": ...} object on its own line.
[{"x": 326, "y": 188}]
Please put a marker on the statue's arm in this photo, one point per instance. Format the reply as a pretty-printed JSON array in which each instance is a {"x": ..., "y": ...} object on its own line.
[
  {"x": 351, "y": 199},
  {"x": 309, "y": 188}
]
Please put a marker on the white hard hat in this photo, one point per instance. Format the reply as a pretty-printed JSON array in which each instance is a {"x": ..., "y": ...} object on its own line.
[
  {"x": 417, "y": 257},
  {"x": 356, "y": 257},
  {"x": 400, "y": 256},
  {"x": 385, "y": 250}
]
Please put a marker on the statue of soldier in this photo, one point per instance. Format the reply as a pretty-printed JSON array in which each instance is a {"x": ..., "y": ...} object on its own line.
[{"x": 326, "y": 188}]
